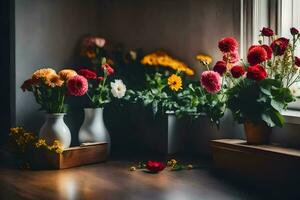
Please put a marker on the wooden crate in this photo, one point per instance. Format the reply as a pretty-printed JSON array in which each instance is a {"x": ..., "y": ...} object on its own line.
[
  {"x": 264, "y": 162},
  {"x": 71, "y": 157}
]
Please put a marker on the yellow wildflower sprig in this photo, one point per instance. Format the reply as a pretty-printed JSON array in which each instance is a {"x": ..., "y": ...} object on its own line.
[
  {"x": 25, "y": 141},
  {"x": 21, "y": 139}
]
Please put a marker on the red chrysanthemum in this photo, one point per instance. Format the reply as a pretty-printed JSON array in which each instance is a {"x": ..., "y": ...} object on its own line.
[
  {"x": 28, "y": 83},
  {"x": 294, "y": 31},
  {"x": 231, "y": 57},
  {"x": 237, "y": 71},
  {"x": 268, "y": 50},
  {"x": 228, "y": 44},
  {"x": 87, "y": 73},
  {"x": 266, "y": 47},
  {"x": 220, "y": 67},
  {"x": 297, "y": 61},
  {"x": 279, "y": 46},
  {"x": 256, "y": 73},
  {"x": 109, "y": 70},
  {"x": 77, "y": 85},
  {"x": 256, "y": 55},
  {"x": 155, "y": 166},
  {"x": 267, "y": 32},
  {"x": 211, "y": 81}
]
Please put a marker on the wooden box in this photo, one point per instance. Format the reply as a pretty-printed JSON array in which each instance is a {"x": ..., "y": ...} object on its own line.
[
  {"x": 71, "y": 157},
  {"x": 263, "y": 162}
]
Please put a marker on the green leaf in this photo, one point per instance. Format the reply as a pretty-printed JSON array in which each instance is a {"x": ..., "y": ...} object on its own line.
[
  {"x": 267, "y": 118},
  {"x": 265, "y": 91},
  {"x": 154, "y": 107},
  {"x": 279, "y": 106},
  {"x": 277, "y": 118}
]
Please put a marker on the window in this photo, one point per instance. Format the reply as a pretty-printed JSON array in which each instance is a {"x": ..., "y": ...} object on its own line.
[
  {"x": 289, "y": 16},
  {"x": 280, "y": 15}
]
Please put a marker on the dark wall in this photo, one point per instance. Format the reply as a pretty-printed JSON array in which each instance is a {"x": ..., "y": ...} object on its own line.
[
  {"x": 47, "y": 32},
  {"x": 5, "y": 63}
]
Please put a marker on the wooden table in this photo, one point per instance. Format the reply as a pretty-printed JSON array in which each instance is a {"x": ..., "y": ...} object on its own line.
[{"x": 113, "y": 181}]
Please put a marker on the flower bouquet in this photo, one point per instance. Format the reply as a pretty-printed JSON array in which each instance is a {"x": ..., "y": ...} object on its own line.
[
  {"x": 164, "y": 86},
  {"x": 259, "y": 90},
  {"x": 101, "y": 89},
  {"x": 50, "y": 90}
]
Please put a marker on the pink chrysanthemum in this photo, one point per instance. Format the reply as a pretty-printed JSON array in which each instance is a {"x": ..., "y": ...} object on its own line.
[
  {"x": 77, "y": 85},
  {"x": 228, "y": 44},
  {"x": 211, "y": 81},
  {"x": 231, "y": 57}
]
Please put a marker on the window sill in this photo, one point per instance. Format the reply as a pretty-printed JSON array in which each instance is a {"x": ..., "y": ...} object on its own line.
[{"x": 291, "y": 116}]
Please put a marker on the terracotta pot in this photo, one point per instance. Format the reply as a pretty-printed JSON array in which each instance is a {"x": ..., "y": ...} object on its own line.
[{"x": 257, "y": 133}]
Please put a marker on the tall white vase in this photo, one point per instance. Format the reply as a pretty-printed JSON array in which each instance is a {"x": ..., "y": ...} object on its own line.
[
  {"x": 93, "y": 128},
  {"x": 55, "y": 128}
]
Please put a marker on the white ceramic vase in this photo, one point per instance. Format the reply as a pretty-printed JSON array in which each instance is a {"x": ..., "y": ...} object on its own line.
[
  {"x": 93, "y": 128},
  {"x": 55, "y": 128}
]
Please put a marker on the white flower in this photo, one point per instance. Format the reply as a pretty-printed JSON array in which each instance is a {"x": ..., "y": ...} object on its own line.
[
  {"x": 133, "y": 55},
  {"x": 295, "y": 90},
  {"x": 100, "y": 42},
  {"x": 118, "y": 88}
]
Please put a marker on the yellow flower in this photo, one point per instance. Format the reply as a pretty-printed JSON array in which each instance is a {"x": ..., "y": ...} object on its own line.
[
  {"x": 160, "y": 58},
  {"x": 132, "y": 168},
  {"x": 190, "y": 166},
  {"x": 175, "y": 82},
  {"x": 53, "y": 80},
  {"x": 56, "y": 146},
  {"x": 206, "y": 60},
  {"x": 66, "y": 74},
  {"x": 171, "y": 162},
  {"x": 90, "y": 54},
  {"x": 42, "y": 73},
  {"x": 40, "y": 143}
]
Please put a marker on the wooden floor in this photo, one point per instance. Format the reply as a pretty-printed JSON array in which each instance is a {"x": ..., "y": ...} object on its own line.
[{"x": 112, "y": 180}]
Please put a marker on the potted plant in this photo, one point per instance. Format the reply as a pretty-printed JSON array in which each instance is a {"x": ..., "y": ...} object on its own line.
[
  {"x": 259, "y": 90},
  {"x": 161, "y": 94},
  {"x": 50, "y": 90},
  {"x": 101, "y": 89}
]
